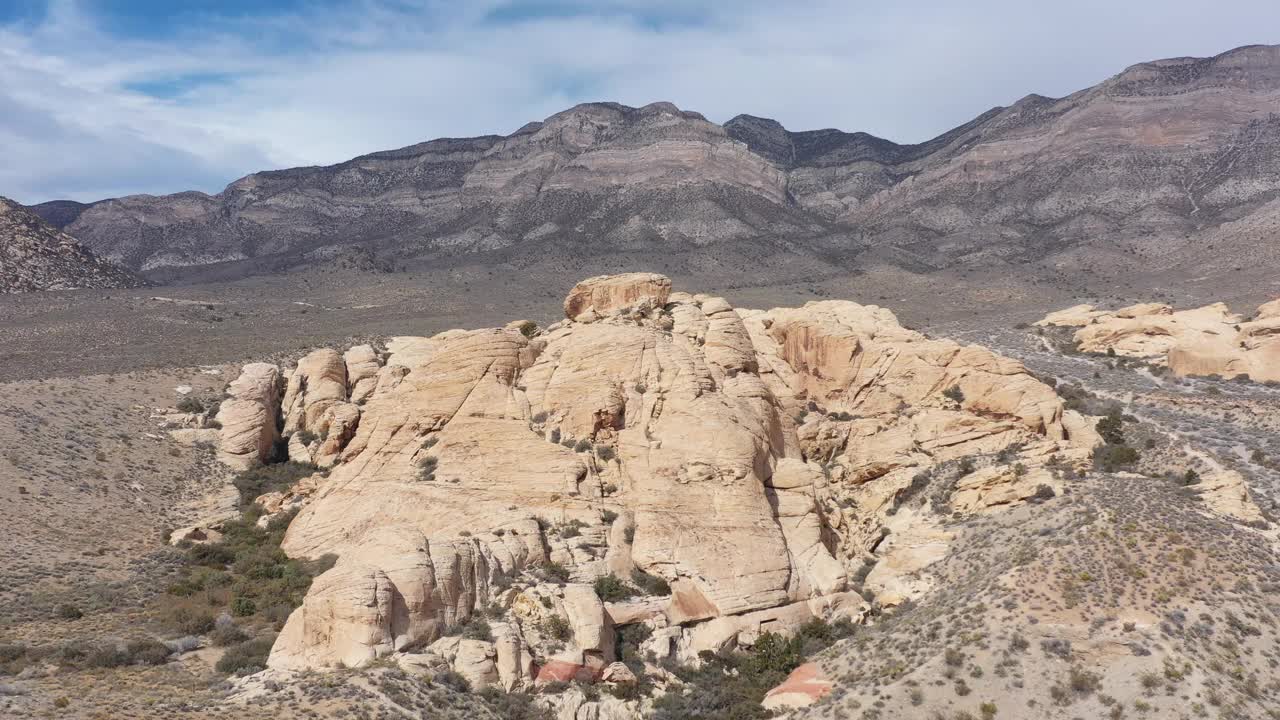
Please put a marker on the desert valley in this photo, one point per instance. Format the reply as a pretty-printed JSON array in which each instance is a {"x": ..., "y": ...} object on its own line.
[{"x": 629, "y": 414}]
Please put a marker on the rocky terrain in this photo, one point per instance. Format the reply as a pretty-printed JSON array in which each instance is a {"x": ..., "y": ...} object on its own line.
[
  {"x": 1167, "y": 168},
  {"x": 423, "y": 475},
  {"x": 35, "y": 256},
  {"x": 1205, "y": 341},
  {"x": 660, "y": 505}
]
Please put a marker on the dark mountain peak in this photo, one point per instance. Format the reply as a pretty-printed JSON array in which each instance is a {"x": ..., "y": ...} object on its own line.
[
  {"x": 1251, "y": 67},
  {"x": 36, "y": 256},
  {"x": 765, "y": 136}
]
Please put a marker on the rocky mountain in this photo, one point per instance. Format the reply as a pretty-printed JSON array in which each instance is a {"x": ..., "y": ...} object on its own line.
[
  {"x": 35, "y": 256},
  {"x": 1172, "y": 164}
]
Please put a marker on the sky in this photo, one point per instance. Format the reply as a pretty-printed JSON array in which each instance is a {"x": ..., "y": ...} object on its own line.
[{"x": 104, "y": 98}]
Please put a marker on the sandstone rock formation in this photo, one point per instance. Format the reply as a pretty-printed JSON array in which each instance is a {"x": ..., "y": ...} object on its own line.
[
  {"x": 249, "y": 416},
  {"x": 751, "y": 461},
  {"x": 1210, "y": 340}
]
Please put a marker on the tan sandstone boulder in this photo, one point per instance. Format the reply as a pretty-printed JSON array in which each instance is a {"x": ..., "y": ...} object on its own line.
[
  {"x": 1210, "y": 340},
  {"x": 249, "y": 416},
  {"x": 319, "y": 380},
  {"x": 605, "y": 294},
  {"x": 363, "y": 364}
]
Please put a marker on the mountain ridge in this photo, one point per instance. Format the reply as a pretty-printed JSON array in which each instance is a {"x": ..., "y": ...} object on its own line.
[
  {"x": 1177, "y": 147},
  {"x": 34, "y": 256}
]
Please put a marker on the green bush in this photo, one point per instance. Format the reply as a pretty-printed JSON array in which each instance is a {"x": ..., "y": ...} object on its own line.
[
  {"x": 611, "y": 589},
  {"x": 1111, "y": 458},
  {"x": 954, "y": 393},
  {"x": 190, "y": 404},
  {"x": 730, "y": 686},
  {"x": 227, "y": 634},
  {"x": 453, "y": 680},
  {"x": 650, "y": 584},
  {"x": 1111, "y": 428},
  {"x": 147, "y": 651},
  {"x": 556, "y": 627},
  {"x": 555, "y": 572},
  {"x": 243, "y": 606},
  {"x": 276, "y": 477},
  {"x": 246, "y": 657},
  {"x": 67, "y": 611}
]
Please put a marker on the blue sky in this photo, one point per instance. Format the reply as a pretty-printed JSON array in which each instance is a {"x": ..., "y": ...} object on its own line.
[{"x": 102, "y": 98}]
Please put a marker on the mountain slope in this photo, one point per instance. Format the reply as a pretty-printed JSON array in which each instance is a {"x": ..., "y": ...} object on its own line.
[
  {"x": 1172, "y": 164},
  {"x": 35, "y": 256}
]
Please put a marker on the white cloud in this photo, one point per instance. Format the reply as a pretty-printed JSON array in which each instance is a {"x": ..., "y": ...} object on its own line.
[{"x": 319, "y": 87}]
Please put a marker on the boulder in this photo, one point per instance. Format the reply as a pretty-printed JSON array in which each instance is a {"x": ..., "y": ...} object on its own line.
[
  {"x": 604, "y": 295},
  {"x": 1210, "y": 340},
  {"x": 319, "y": 380},
  {"x": 803, "y": 687},
  {"x": 362, "y": 372},
  {"x": 249, "y": 416}
]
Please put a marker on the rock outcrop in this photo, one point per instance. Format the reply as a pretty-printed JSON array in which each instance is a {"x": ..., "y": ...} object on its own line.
[
  {"x": 35, "y": 256},
  {"x": 738, "y": 466},
  {"x": 250, "y": 416},
  {"x": 1210, "y": 340}
]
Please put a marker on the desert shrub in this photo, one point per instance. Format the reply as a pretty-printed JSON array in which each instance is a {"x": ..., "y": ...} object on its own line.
[
  {"x": 190, "y": 622},
  {"x": 190, "y": 404},
  {"x": 555, "y": 572},
  {"x": 270, "y": 478},
  {"x": 628, "y": 640},
  {"x": 477, "y": 628},
  {"x": 227, "y": 634},
  {"x": 954, "y": 393},
  {"x": 107, "y": 655},
  {"x": 611, "y": 589},
  {"x": 243, "y": 606},
  {"x": 147, "y": 651},
  {"x": 306, "y": 437},
  {"x": 453, "y": 680},
  {"x": 1083, "y": 681},
  {"x": 605, "y": 453},
  {"x": 1110, "y": 458},
  {"x": 650, "y": 584},
  {"x": 67, "y": 611},
  {"x": 608, "y": 516},
  {"x": 730, "y": 685},
  {"x": 556, "y": 627},
  {"x": 1111, "y": 428},
  {"x": 246, "y": 657},
  {"x": 583, "y": 445},
  {"x": 513, "y": 705},
  {"x": 1043, "y": 492},
  {"x": 1191, "y": 477},
  {"x": 571, "y": 529},
  {"x": 245, "y": 574}
]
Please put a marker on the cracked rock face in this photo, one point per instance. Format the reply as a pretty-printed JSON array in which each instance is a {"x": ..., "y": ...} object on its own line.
[{"x": 749, "y": 459}]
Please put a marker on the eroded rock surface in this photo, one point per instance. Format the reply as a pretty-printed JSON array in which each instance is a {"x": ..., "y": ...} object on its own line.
[
  {"x": 1209, "y": 340},
  {"x": 750, "y": 461}
]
